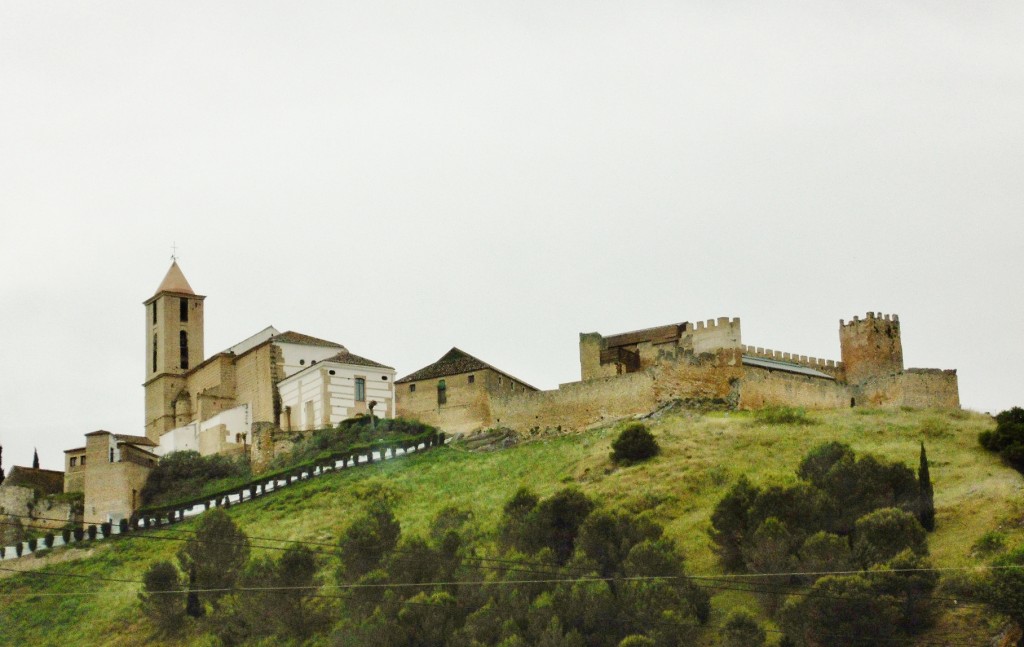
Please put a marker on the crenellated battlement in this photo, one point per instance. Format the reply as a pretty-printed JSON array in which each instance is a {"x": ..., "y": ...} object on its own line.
[
  {"x": 711, "y": 324},
  {"x": 856, "y": 321},
  {"x": 804, "y": 360}
]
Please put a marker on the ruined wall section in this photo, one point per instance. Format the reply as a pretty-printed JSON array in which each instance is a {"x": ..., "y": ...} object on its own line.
[
  {"x": 765, "y": 388},
  {"x": 920, "y": 388},
  {"x": 576, "y": 405},
  {"x": 871, "y": 347},
  {"x": 705, "y": 380}
]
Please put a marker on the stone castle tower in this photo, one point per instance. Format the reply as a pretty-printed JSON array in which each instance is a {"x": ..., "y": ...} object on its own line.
[
  {"x": 871, "y": 347},
  {"x": 174, "y": 345}
]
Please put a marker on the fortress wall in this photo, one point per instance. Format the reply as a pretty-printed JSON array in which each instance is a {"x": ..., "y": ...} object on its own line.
[
  {"x": 762, "y": 388},
  {"x": 691, "y": 378},
  {"x": 576, "y": 405},
  {"x": 714, "y": 334},
  {"x": 829, "y": 366},
  {"x": 590, "y": 357},
  {"x": 921, "y": 388}
]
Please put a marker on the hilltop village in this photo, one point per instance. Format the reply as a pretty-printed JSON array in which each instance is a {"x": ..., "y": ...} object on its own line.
[{"x": 257, "y": 396}]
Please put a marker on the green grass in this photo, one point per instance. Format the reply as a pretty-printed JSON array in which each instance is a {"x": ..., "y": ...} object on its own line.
[{"x": 701, "y": 456}]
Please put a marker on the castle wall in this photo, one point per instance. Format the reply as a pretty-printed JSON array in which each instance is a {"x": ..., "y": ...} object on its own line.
[
  {"x": 920, "y": 388},
  {"x": 591, "y": 368},
  {"x": 576, "y": 405},
  {"x": 827, "y": 366},
  {"x": 762, "y": 388},
  {"x": 709, "y": 336}
]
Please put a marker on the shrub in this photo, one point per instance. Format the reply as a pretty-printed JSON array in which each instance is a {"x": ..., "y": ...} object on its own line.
[
  {"x": 782, "y": 416},
  {"x": 1007, "y": 438},
  {"x": 1003, "y": 589},
  {"x": 366, "y": 541},
  {"x": 883, "y": 534},
  {"x": 215, "y": 558},
  {"x": 741, "y": 630},
  {"x": 634, "y": 443},
  {"x": 48, "y": 540},
  {"x": 164, "y": 607},
  {"x": 841, "y": 611},
  {"x": 992, "y": 541},
  {"x": 183, "y": 474}
]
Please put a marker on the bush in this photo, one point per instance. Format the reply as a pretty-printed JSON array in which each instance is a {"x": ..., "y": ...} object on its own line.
[
  {"x": 634, "y": 443},
  {"x": 366, "y": 541},
  {"x": 181, "y": 475},
  {"x": 1008, "y": 437},
  {"x": 741, "y": 630},
  {"x": 992, "y": 541},
  {"x": 883, "y": 534},
  {"x": 215, "y": 558},
  {"x": 164, "y": 607},
  {"x": 782, "y": 416}
]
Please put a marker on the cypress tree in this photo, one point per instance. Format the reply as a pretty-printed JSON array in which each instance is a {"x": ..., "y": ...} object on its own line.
[
  {"x": 926, "y": 496},
  {"x": 35, "y": 459},
  {"x": 1, "y": 465},
  {"x": 193, "y": 606}
]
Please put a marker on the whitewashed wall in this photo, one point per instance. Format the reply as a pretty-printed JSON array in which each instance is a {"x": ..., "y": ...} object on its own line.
[
  {"x": 296, "y": 353},
  {"x": 333, "y": 396},
  {"x": 237, "y": 420}
]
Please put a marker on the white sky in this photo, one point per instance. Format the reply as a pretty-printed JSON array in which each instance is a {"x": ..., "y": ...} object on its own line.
[{"x": 405, "y": 177}]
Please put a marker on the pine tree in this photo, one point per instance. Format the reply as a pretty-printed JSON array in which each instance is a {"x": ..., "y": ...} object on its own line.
[
  {"x": 1, "y": 465},
  {"x": 926, "y": 496},
  {"x": 35, "y": 459}
]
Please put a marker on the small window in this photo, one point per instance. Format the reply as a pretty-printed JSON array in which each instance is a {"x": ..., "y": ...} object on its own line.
[
  {"x": 442, "y": 393},
  {"x": 384, "y": 377},
  {"x": 472, "y": 378},
  {"x": 74, "y": 461},
  {"x": 183, "y": 309},
  {"x": 82, "y": 462},
  {"x": 330, "y": 372},
  {"x": 154, "y": 352},
  {"x": 499, "y": 380},
  {"x": 302, "y": 362},
  {"x": 111, "y": 454},
  {"x": 360, "y": 389},
  {"x": 412, "y": 388},
  {"x": 154, "y": 313}
]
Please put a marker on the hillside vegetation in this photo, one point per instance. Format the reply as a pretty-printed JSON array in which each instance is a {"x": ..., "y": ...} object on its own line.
[{"x": 94, "y": 600}]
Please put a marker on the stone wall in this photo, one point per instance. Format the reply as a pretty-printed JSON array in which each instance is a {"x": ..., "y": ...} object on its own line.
[
  {"x": 871, "y": 347},
  {"x": 467, "y": 407},
  {"x": 920, "y": 388},
  {"x": 576, "y": 405},
  {"x": 762, "y": 388},
  {"x": 257, "y": 373}
]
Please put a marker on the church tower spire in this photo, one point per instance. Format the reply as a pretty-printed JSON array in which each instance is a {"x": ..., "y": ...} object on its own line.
[{"x": 174, "y": 345}]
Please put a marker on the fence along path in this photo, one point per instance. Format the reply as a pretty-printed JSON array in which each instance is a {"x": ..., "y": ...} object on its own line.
[{"x": 254, "y": 489}]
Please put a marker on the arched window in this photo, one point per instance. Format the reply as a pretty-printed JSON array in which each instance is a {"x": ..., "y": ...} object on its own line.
[
  {"x": 154, "y": 353},
  {"x": 183, "y": 347},
  {"x": 442, "y": 393}
]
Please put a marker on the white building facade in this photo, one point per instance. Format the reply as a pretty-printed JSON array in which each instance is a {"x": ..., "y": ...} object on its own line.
[{"x": 330, "y": 390}]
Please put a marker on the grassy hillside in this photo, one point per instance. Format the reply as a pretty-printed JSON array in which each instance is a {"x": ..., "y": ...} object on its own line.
[{"x": 702, "y": 455}]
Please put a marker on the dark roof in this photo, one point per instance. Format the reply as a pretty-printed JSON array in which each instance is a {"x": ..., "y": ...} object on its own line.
[
  {"x": 76, "y": 449},
  {"x": 455, "y": 362},
  {"x": 291, "y": 337},
  {"x": 788, "y": 367},
  {"x": 42, "y": 481},
  {"x": 345, "y": 357},
  {"x": 135, "y": 440},
  {"x": 656, "y": 335}
]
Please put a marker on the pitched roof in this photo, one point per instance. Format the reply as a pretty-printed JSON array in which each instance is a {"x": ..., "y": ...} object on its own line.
[
  {"x": 135, "y": 440},
  {"x": 788, "y": 367},
  {"x": 454, "y": 362},
  {"x": 175, "y": 281},
  {"x": 291, "y": 337},
  {"x": 345, "y": 357}
]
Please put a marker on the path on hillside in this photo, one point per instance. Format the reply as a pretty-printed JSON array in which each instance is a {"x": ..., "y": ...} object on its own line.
[{"x": 245, "y": 493}]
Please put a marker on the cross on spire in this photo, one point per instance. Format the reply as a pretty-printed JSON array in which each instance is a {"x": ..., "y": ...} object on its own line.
[{"x": 174, "y": 251}]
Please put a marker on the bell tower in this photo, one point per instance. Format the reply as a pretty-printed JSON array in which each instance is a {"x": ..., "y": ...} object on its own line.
[{"x": 174, "y": 345}]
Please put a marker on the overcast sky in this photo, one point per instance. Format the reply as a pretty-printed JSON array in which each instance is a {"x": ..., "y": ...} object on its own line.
[{"x": 500, "y": 176}]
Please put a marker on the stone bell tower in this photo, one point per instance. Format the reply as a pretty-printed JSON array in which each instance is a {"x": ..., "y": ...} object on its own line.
[{"x": 174, "y": 345}]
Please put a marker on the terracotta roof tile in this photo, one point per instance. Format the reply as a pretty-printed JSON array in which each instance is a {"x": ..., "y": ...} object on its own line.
[
  {"x": 175, "y": 281},
  {"x": 291, "y": 337},
  {"x": 345, "y": 357}
]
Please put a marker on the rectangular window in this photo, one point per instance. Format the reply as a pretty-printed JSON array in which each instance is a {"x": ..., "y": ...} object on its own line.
[
  {"x": 82, "y": 462},
  {"x": 412, "y": 388},
  {"x": 74, "y": 461},
  {"x": 154, "y": 313},
  {"x": 472, "y": 378},
  {"x": 442, "y": 393},
  {"x": 360, "y": 389},
  {"x": 183, "y": 309}
]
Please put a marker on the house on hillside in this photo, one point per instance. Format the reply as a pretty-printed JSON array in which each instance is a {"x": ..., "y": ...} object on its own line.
[
  {"x": 110, "y": 471},
  {"x": 334, "y": 389},
  {"x": 456, "y": 392}
]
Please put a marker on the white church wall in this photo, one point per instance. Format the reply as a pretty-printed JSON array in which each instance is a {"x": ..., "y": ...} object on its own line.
[{"x": 298, "y": 357}]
